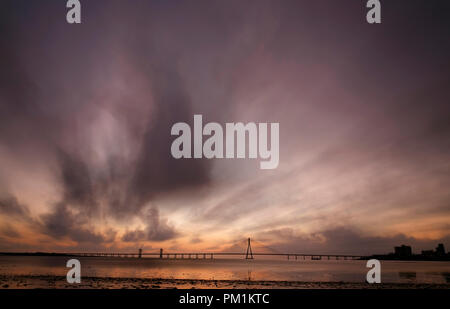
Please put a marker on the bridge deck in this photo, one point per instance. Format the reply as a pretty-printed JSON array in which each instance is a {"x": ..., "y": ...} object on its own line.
[{"x": 195, "y": 255}]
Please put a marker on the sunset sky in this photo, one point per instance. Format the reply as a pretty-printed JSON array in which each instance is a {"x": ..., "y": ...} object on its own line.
[{"x": 86, "y": 112}]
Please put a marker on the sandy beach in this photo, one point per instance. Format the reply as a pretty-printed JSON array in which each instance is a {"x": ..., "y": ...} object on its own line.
[{"x": 59, "y": 282}]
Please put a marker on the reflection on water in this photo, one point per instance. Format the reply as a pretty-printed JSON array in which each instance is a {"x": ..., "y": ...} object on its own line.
[
  {"x": 231, "y": 269},
  {"x": 446, "y": 276},
  {"x": 408, "y": 276}
]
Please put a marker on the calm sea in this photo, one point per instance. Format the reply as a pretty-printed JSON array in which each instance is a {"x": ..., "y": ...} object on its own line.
[{"x": 230, "y": 269}]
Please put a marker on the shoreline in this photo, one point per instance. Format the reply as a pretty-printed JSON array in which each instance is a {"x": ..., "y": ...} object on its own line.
[{"x": 59, "y": 282}]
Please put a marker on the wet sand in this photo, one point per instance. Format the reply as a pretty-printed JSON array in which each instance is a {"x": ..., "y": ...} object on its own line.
[{"x": 59, "y": 282}]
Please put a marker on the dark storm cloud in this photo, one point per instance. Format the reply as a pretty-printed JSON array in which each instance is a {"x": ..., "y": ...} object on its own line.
[
  {"x": 10, "y": 206},
  {"x": 156, "y": 171},
  {"x": 63, "y": 223},
  {"x": 9, "y": 231},
  {"x": 156, "y": 229},
  {"x": 388, "y": 85},
  {"x": 77, "y": 183},
  {"x": 30, "y": 117},
  {"x": 21, "y": 118},
  {"x": 78, "y": 194},
  {"x": 342, "y": 240}
]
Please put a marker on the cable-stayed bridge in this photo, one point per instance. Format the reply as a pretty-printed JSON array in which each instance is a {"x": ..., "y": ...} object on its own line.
[{"x": 248, "y": 253}]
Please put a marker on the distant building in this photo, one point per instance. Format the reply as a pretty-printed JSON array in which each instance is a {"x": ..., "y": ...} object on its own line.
[
  {"x": 440, "y": 250},
  {"x": 427, "y": 252},
  {"x": 403, "y": 251}
]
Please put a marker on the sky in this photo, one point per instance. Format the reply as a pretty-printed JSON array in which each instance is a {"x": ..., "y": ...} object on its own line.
[{"x": 86, "y": 112}]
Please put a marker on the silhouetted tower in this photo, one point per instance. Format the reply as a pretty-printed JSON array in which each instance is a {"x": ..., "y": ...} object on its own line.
[
  {"x": 161, "y": 253},
  {"x": 249, "y": 254},
  {"x": 440, "y": 250},
  {"x": 140, "y": 253}
]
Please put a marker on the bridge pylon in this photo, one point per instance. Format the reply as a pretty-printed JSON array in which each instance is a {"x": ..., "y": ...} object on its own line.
[{"x": 249, "y": 254}]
